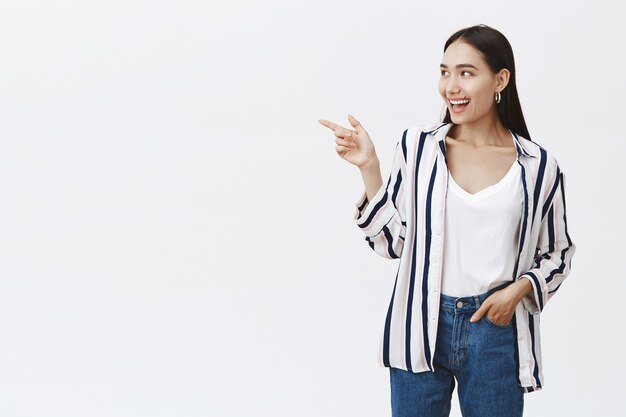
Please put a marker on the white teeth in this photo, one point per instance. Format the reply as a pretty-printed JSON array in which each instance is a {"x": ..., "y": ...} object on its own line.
[{"x": 459, "y": 101}]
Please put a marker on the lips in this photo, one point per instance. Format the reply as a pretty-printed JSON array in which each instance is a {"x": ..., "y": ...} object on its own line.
[{"x": 458, "y": 108}]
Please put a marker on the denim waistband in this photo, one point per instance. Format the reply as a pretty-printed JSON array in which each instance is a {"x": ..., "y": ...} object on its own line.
[{"x": 470, "y": 302}]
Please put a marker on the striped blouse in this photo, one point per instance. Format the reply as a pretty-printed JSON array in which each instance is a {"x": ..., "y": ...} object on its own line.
[{"x": 405, "y": 221}]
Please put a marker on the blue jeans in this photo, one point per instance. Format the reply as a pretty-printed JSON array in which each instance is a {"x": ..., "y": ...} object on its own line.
[{"x": 480, "y": 355}]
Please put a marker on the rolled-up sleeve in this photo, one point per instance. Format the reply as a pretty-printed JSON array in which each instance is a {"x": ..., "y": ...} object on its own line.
[
  {"x": 555, "y": 249},
  {"x": 383, "y": 219}
]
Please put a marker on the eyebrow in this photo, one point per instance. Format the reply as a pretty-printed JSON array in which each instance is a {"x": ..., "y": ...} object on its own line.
[{"x": 459, "y": 66}]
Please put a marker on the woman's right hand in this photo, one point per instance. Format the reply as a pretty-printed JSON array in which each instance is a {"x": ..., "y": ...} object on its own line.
[{"x": 355, "y": 146}]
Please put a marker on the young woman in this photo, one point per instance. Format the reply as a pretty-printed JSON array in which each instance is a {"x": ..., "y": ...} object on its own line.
[{"x": 465, "y": 308}]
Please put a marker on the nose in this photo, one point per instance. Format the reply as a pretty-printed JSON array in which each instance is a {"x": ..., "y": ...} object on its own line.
[{"x": 452, "y": 86}]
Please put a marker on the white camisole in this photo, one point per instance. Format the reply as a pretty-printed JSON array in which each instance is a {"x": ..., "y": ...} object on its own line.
[{"x": 481, "y": 235}]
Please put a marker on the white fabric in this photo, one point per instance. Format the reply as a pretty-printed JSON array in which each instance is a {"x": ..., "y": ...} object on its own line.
[{"x": 482, "y": 231}]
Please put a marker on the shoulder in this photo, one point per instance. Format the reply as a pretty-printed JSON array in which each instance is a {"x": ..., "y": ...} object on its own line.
[
  {"x": 542, "y": 155},
  {"x": 429, "y": 128},
  {"x": 421, "y": 131}
]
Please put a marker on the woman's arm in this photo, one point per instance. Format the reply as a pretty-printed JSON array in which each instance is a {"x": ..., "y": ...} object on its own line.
[
  {"x": 372, "y": 178},
  {"x": 553, "y": 262},
  {"x": 380, "y": 212}
]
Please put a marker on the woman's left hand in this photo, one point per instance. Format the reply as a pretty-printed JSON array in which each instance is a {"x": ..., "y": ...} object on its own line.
[{"x": 499, "y": 306}]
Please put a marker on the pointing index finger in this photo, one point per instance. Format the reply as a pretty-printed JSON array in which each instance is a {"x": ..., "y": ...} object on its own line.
[
  {"x": 329, "y": 124},
  {"x": 339, "y": 130}
]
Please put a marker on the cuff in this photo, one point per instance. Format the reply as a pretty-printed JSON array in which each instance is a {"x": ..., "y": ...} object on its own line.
[
  {"x": 372, "y": 216},
  {"x": 529, "y": 299}
]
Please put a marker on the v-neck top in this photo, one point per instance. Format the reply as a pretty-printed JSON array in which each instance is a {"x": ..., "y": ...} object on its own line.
[
  {"x": 487, "y": 191},
  {"x": 482, "y": 230}
]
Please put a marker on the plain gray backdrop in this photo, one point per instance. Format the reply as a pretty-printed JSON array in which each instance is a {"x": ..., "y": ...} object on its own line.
[{"x": 176, "y": 231}]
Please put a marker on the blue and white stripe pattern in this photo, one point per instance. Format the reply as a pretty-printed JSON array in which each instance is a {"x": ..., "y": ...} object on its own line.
[{"x": 405, "y": 220}]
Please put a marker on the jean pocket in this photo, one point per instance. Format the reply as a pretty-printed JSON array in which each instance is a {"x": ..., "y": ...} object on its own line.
[{"x": 500, "y": 326}]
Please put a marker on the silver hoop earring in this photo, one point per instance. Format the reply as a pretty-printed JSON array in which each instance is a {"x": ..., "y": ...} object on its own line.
[{"x": 498, "y": 97}]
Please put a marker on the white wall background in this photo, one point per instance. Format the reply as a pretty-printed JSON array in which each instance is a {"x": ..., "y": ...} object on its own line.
[{"x": 176, "y": 233}]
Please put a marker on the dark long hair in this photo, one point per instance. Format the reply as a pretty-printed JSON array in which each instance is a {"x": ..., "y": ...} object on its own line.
[{"x": 496, "y": 50}]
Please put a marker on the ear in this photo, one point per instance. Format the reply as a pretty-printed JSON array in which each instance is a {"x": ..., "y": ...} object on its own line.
[{"x": 502, "y": 78}]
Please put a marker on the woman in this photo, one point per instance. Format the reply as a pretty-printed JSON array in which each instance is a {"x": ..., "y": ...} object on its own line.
[{"x": 465, "y": 308}]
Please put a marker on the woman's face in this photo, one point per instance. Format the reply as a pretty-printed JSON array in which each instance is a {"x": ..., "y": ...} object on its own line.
[{"x": 472, "y": 80}]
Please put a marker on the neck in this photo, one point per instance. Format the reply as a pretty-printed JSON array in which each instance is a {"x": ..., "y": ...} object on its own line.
[{"x": 487, "y": 131}]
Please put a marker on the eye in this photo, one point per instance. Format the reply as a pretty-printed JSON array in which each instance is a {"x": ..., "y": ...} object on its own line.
[{"x": 442, "y": 72}]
